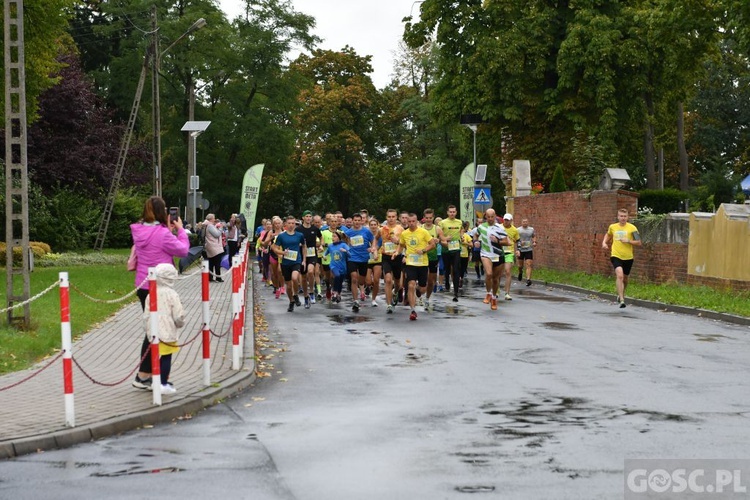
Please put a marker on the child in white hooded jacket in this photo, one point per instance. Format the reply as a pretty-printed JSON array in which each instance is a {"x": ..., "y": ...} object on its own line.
[{"x": 171, "y": 317}]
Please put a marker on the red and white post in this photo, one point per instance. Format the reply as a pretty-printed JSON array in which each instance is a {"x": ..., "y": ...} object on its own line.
[
  {"x": 236, "y": 330},
  {"x": 206, "y": 325},
  {"x": 67, "y": 346},
  {"x": 154, "y": 324}
]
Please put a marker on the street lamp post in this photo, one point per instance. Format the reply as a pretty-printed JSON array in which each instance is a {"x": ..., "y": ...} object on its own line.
[
  {"x": 194, "y": 129},
  {"x": 155, "y": 111}
]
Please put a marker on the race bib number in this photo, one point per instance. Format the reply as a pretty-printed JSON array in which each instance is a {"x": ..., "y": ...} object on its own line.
[
  {"x": 495, "y": 258},
  {"x": 620, "y": 235},
  {"x": 357, "y": 241},
  {"x": 389, "y": 247},
  {"x": 415, "y": 259},
  {"x": 290, "y": 255},
  {"x": 525, "y": 245},
  {"x": 311, "y": 252},
  {"x": 453, "y": 245}
]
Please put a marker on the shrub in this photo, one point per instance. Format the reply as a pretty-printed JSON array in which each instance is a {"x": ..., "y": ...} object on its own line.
[
  {"x": 662, "y": 201},
  {"x": 38, "y": 249},
  {"x": 558, "y": 181}
]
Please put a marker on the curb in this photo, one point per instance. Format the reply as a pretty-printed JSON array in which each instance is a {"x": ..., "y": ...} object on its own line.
[
  {"x": 131, "y": 421},
  {"x": 659, "y": 306}
]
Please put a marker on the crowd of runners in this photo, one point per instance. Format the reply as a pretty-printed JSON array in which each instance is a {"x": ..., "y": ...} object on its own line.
[{"x": 415, "y": 256}]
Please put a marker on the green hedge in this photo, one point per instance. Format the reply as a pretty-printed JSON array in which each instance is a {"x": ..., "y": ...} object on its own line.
[{"x": 662, "y": 201}]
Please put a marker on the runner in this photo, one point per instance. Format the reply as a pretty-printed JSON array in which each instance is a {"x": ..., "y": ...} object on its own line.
[
  {"x": 451, "y": 250},
  {"x": 389, "y": 236},
  {"x": 623, "y": 236},
  {"x": 273, "y": 262},
  {"x": 466, "y": 246},
  {"x": 336, "y": 252},
  {"x": 375, "y": 264},
  {"x": 525, "y": 252},
  {"x": 417, "y": 242},
  {"x": 361, "y": 244},
  {"x": 325, "y": 261},
  {"x": 312, "y": 241},
  {"x": 492, "y": 237},
  {"x": 318, "y": 222},
  {"x": 291, "y": 251},
  {"x": 432, "y": 255},
  {"x": 510, "y": 252}
]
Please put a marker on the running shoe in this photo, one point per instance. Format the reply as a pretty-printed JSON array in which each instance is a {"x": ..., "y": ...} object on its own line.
[
  {"x": 297, "y": 302},
  {"x": 319, "y": 297},
  {"x": 508, "y": 297},
  {"x": 440, "y": 288},
  {"x": 413, "y": 316},
  {"x": 487, "y": 298},
  {"x": 291, "y": 307},
  {"x": 520, "y": 277},
  {"x": 493, "y": 304},
  {"x": 355, "y": 306},
  {"x": 622, "y": 304},
  {"x": 374, "y": 303},
  {"x": 528, "y": 282},
  {"x": 394, "y": 299},
  {"x": 426, "y": 305},
  {"x": 312, "y": 299},
  {"x": 277, "y": 293},
  {"x": 421, "y": 302},
  {"x": 455, "y": 298},
  {"x": 142, "y": 383},
  {"x": 307, "y": 302},
  {"x": 389, "y": 309}
]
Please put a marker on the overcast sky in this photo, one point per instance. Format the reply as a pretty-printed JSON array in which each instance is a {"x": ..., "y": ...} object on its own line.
[{"x": 371, "y": 27}]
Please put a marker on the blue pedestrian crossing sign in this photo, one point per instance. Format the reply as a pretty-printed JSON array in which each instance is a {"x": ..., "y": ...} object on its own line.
[{"x": 482, "y": 196}]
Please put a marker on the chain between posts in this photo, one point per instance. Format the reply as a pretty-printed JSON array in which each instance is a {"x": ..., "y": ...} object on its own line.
[
  {"x": 31, "y": 299},
  {"x": 40, "y": 370}
]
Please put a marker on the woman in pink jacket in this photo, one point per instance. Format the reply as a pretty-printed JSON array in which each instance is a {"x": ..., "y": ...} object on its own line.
[{"x": 158, "y": 240}]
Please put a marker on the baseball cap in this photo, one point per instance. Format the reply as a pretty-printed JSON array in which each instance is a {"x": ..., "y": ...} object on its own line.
[
  {"x": 507, "y": 217},
  {"x": 306, "y": 212}
]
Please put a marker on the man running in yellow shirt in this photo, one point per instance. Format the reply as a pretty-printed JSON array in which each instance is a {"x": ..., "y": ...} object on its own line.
[
  {"x": 623, "y": 236},
  {"x": 417, "y": 242}
]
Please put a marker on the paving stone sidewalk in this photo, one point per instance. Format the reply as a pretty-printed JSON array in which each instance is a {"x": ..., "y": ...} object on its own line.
[{"x": 32, "y": 414}]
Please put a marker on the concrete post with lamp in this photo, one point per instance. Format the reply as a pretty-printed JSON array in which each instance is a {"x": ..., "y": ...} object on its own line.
[{"x": 194, "y": 128}]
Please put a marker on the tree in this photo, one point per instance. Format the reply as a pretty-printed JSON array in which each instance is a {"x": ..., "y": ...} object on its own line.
[
  {"x": 45, "y": 24},
  {"x": 558, "y": 184},
  {"x": 335, "y": 122},
  {"x": 74, "y": 143},
  {"x": 540, "y": 70}
]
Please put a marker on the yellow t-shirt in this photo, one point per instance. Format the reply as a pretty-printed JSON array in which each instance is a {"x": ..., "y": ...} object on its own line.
[
  {"x": 415, "y": 240},
  {"x": 513, "y": 236},
  {"x": 452, "y": 229},
  {"x": 388, "y": 246},
  {"x": 623, "y": 251},
  {"x": 466, "y": 243}
]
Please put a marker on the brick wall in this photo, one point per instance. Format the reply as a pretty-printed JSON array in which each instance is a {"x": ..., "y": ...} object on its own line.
[{"x": 570, "y": 227}]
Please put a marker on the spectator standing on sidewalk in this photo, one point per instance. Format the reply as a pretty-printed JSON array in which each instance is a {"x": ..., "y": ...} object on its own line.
[
  {"x": 158, "y": 240},
  {"x": 623, "y": 236},
  {"x": 171, "y": 317},
  {"x": 214, "y": 247}
]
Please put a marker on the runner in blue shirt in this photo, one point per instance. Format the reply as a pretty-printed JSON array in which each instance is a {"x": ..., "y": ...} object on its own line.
[
  {"x": 361, "y": 244},
  {"x": 291, "y": 249}
]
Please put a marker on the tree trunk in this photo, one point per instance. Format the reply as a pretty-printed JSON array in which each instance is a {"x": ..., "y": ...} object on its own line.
[
  {"x": 648, "y": 144},
  {"x": 681, "y": 148}
]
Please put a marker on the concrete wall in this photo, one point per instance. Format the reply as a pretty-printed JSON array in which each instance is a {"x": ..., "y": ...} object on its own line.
[{"x": 719, "y": 244}]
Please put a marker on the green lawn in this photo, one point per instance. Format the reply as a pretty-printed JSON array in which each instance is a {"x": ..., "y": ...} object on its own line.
[
  {"x": 99, "y": 276},
  {"x": 703, "y": 297}
]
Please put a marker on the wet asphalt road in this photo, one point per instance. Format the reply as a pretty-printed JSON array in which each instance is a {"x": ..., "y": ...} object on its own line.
[{"x": 544, "y": 398}]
